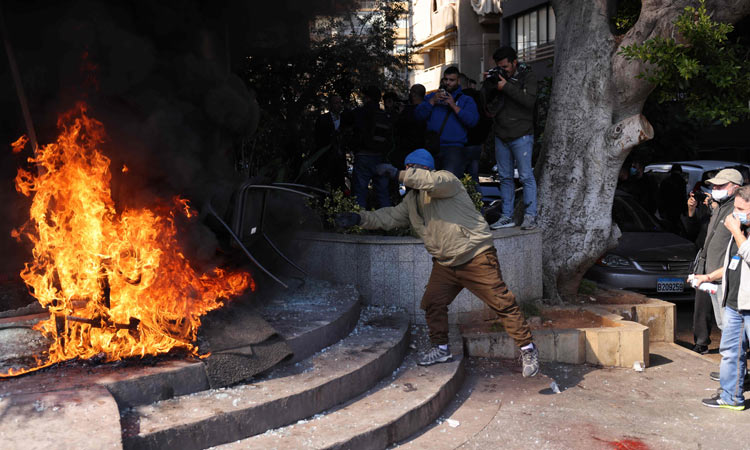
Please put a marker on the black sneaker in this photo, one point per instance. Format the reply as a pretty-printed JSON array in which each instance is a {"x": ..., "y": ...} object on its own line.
[
  {"x": 435, "y": 355},
  {"x": 530, "y": 361},
  {"x": 717, "y": 402},
  {"x": 714, "y": 376},
  {"x": 702, "y": 349}
]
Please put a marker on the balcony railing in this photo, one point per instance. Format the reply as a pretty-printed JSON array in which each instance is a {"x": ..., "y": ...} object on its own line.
[
  {"x": 430, "y": 77},
  {"x": 537, "y": 53}
]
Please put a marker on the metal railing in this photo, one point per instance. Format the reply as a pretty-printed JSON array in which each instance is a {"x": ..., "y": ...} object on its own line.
[{"x": 537, "y": 53}]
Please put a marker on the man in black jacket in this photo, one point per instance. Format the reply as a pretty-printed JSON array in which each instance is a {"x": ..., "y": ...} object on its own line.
[
  {"x": 409, "y": 130},
  {"x": 373, "y": 140},
  {"x": 512, "y": 108},
  {"x": 332, "y": 167},
  {"x": 711, "y": 256}
]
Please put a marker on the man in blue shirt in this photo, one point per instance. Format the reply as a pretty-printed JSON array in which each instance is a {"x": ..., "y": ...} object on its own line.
[{"x": 450, "y": 114}]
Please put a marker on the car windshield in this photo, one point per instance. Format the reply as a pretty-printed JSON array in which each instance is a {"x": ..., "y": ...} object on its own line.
[{"x": 631, "y": 217}]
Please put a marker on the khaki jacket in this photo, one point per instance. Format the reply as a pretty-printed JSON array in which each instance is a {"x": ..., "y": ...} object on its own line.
[{"x": 441, "y": 213}]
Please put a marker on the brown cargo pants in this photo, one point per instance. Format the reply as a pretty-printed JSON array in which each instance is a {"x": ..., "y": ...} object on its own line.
[{"x": 483, "y": 278}]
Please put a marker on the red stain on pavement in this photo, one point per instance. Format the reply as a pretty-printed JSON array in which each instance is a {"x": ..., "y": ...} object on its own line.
[{"x": 626, "y": 444}]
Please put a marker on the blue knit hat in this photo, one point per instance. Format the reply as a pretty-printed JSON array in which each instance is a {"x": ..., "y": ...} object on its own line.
[{"x": 421, "y": 157}]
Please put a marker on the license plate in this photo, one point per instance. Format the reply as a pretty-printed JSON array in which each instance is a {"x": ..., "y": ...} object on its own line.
[{"x": 670, "y": 285}]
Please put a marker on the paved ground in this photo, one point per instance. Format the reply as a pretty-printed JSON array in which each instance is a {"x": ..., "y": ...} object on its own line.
[{"x": 597, "y": 408}]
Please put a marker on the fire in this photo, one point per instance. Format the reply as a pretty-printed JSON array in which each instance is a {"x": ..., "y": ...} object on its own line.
[
  {"x": 116, "y": 284},
  {"x": 19, "y": 144}
]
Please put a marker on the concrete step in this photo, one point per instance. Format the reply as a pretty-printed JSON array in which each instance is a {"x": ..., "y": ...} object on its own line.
[
  {"x": 313, "y": 317},
  {"x": 474, "y": 407},
  {"x": 334, "y": 375},
  {"x": 399, "y": 406}
]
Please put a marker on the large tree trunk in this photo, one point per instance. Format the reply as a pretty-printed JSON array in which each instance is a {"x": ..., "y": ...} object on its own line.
[{"x": 593, "y": 122}]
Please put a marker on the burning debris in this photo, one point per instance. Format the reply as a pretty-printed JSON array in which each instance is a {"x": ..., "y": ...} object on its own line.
[{"x": 116, "y": 283}]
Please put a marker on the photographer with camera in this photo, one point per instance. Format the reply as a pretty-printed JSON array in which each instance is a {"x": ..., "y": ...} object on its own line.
[
  {"x": 449, "y": 114},
  {"x": 509, "y": 94}
]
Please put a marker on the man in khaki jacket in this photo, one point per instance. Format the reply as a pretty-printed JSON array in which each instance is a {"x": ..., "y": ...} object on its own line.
[{"x": 439, "y": 210}]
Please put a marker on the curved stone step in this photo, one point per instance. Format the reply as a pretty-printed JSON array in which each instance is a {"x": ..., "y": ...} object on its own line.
[
  {"x": 397, "y": 408},
  {"x": 309, "y": 317},
  {"x": 374, "y": 349},
  {"x": 314, "y": 317},
  {"x": 473, "y": 408}
]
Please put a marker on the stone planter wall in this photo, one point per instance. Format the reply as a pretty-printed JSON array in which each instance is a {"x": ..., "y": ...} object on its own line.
[
  {"x": 657, "y": 315},
  {"x": 616, "y": 343},
  {"x": 391, "y": 270}
]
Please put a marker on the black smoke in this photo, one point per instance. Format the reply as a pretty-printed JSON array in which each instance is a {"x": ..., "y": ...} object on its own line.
[{"x": 162, "y": 76}]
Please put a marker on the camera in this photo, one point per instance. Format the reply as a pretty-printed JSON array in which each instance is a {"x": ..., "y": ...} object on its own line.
[
  {"x": 492, "y": 75},
  {"x": 699, "y": 195}
]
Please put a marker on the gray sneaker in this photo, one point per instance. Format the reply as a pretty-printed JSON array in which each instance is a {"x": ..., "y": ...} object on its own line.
[
  {"x": 715, "y": 377},
  {"x": 530, "y": 362},
  {"x": 503, "y": 222},
  {"x": 529, "y": 223},
  {"x": 435, "y": 355}
]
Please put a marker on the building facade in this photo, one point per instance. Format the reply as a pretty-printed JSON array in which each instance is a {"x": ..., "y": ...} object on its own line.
[
  {"x": 465, "y": 33},
  {"x": 529, "y": 27},
  {"x": 461, "y": 33}
]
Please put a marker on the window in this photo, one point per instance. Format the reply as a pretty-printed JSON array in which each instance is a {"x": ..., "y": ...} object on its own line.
[
  {"x": 437, "y": 56},
  {"x": 532, "y": 30}
]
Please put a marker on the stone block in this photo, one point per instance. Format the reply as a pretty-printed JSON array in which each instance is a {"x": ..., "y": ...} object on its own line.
[
  {"x": 634, "y": 345},
  {"x": 490, "y": 345},
  {"x": 570, "y": 346},
  {"x": 405, "y": 253},
  {"x": 478, "y": 346},
  {"x": 405, "y": 284},
  {"x": 545, "y": 342},
  {"x": 378, "y": 253},
  {"x": 660, "y": 320},
  {"x": 377, "y": 283},
  {"x": 603, "y": 346}
]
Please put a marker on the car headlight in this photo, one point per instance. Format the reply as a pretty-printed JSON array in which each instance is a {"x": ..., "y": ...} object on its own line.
[{"x": 610, "y": 260}]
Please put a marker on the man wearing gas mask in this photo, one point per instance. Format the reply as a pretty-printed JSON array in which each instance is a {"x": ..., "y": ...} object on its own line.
[
  {"x": 441, "y": 213},
  {"x": 711, "y": 256},
  {"x": 734, "y": 297}
]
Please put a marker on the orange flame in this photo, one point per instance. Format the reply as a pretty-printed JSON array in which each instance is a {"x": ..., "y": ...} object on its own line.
[
  {"x": 116, "y": 285},
  {"x": 19, "y": 144}
]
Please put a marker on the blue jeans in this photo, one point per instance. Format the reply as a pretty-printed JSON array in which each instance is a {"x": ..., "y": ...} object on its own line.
[
  {"x": 734, "y": 344},
  {"x": 518, "y": 152},
  {"x": 364, "y": 171},
  {"x": 453, "y": 160}
]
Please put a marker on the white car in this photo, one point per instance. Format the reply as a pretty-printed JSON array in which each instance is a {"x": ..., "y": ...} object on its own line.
[{"x": 695, "y": 172}]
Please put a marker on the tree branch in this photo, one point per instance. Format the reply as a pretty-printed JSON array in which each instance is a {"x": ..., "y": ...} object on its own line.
[
  {"x": 657, "y": 20},
  {"x": 628, "y": 133}
]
